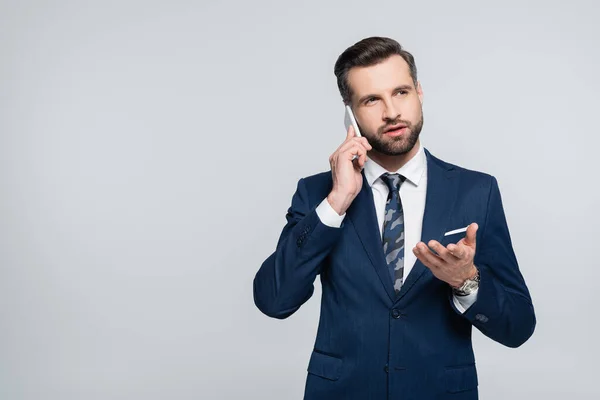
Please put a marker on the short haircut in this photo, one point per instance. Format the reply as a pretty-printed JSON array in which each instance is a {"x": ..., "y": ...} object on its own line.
[{"x": 369, "y": 51}]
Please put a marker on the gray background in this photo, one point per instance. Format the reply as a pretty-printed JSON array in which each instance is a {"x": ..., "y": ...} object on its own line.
[{"x": 149, "y": 152}]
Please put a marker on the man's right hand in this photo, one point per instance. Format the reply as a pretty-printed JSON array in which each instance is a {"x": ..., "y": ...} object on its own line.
[{"x": 346, "y": 174}]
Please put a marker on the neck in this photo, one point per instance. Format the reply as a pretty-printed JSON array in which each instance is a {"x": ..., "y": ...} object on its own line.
[{"x": 393, "y": 163}]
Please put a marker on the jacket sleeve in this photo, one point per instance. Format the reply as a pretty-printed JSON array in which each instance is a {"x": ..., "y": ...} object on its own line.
[
  {"x": 285, "y": 279},
  {"x": 503, "y": 310}
]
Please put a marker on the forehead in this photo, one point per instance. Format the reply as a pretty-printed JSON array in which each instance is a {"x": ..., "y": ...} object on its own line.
[{"x": 379, "y": 78}]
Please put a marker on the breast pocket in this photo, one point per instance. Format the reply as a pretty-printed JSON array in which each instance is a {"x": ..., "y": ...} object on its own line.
[
  {"x": 325, "y": 365},
  {"x": 453, "y": 235},
  {"x": 460, "y": 378}
]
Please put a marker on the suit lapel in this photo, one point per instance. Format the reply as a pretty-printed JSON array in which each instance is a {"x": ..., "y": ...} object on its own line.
[
  {"x": 439, "y": 203},
  {"x": 442, "y": 191},
  {"x": 362, "y": 215}
]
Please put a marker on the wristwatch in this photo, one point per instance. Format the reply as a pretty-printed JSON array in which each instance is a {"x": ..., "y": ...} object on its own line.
[{"x": 468, "y": 286}]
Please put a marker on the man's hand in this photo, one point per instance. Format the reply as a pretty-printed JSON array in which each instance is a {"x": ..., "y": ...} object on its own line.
[
  {"x": 454, "y": 263},
  {"x": 346, "y": 173}
]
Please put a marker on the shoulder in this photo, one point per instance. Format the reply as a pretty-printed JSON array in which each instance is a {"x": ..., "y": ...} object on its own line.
[
  {"x": 318, "y": 179},
  {"x": 315, "y": 187},
  {"x": 467, "y": 176}
]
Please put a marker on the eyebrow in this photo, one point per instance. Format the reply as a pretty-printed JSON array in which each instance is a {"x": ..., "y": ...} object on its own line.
[{"x": 401, "y": 87}]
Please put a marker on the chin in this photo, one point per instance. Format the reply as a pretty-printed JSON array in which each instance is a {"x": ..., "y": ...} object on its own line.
[{"x": 390, "y": 150}]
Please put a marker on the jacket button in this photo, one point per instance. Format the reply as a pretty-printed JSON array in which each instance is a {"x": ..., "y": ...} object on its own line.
[
  {"x": 386, "y": 369},
  {"x": 395, "y": 313}
]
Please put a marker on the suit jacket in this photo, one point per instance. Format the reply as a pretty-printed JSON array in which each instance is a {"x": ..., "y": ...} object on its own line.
[{"x": 372, "y": 344}]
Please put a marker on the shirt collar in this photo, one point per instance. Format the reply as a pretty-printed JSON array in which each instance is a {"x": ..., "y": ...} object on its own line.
[{"x": 412, "y": 170}]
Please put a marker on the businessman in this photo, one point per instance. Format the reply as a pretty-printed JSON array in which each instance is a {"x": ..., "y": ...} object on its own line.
[{"x": 412, "y": 251}]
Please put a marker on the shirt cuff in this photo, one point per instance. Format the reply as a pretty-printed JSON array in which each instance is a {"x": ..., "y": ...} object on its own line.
[
  {"x": 328, "y": 215},
  {"x": 462, "y": 303}
]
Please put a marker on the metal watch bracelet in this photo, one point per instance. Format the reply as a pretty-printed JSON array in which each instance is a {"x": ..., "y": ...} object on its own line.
[{"x": 468, "y": 286}]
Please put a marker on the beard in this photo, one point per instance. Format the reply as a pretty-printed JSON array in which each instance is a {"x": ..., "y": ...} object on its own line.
[{"x": 395, "y": 146}]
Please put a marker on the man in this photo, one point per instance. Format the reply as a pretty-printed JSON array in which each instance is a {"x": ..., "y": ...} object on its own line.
[{"x": 395, "y": 324}]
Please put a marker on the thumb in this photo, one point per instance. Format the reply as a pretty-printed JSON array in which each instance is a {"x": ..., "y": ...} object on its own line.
[{"x": 470, "y": 238}]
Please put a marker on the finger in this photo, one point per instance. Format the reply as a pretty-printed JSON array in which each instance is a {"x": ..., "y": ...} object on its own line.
[
  {"x": 347, "y": 144},
  {"x": 471, "y": 234},
  {"x": 349, "y": 136},
  {"x": 356, "y": 156},
  {"x": 443, "y": 252},
  {"x": 360, "y": 162},
  {"x": 362, "y": 159},
  {"x": 426, "y": 256},
  {"x": 344, "y": 143},
  {"x": 457, "y": 251},
  {"x": 352, "y": 148},
  {"x": 366, "y": 143},
  {"x": 351, "y": 142},
  {"x": 363, "y": 141},
  {"x": 351, "y": 133}
]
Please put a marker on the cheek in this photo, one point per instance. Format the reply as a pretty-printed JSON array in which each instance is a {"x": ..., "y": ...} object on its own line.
[
  {"x": 412, "y": 111},
  {"x": 371, "y": 121}
]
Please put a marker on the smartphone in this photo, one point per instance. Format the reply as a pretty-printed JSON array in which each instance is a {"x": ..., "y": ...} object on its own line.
[{"x": 350, "y": 120}]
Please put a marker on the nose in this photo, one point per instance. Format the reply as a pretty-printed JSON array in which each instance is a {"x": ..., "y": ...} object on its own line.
[{"x": 391, "y": 112}]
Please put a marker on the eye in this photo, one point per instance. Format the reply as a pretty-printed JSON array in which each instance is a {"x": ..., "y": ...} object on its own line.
[
  {"x": 402, "y": 92},
  {"x": 369, "y": 100}
]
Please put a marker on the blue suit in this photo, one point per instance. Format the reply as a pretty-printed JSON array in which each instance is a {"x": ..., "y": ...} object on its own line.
[{"x": 372, "y": 344}]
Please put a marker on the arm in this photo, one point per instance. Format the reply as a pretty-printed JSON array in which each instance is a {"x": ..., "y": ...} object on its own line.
[
  {"x": 285, "y": 280},
  {"x": 503, "y": 310}
]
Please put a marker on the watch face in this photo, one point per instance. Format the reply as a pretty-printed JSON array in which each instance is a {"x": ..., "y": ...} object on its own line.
[
  {"x": 468, "y": 287},
  {"x": 471, "y": 285}
]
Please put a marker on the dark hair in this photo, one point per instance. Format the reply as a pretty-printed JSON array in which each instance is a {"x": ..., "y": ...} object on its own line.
[{"x": 367, "y": 52}]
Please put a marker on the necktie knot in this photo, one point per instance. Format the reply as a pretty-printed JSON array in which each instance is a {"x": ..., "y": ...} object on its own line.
[{"x": 393, "y": 181}]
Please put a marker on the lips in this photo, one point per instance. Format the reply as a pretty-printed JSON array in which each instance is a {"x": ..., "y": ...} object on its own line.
[{"x": 393, "y": 128}]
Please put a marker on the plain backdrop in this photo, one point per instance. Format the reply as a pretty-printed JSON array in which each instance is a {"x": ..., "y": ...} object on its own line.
[{"x": 149, "y": 152}]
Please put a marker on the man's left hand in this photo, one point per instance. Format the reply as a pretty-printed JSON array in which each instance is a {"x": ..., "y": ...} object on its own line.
[{"x": 454, "y": 263}]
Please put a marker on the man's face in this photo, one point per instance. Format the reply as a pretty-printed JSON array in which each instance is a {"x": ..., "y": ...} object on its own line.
[{"x": 384, "y": 96}]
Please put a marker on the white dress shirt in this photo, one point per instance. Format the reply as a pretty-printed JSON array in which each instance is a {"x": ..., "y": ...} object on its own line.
[{"x": 412, "y": 194}]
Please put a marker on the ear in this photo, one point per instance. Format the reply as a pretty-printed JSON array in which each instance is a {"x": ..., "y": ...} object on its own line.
[{"x": 420, "y": 91}]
